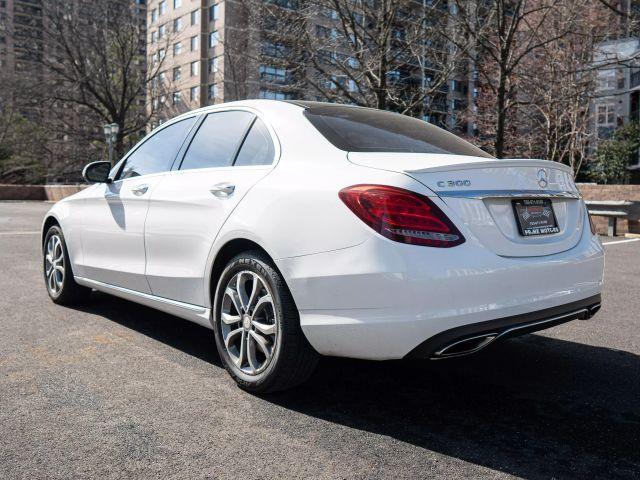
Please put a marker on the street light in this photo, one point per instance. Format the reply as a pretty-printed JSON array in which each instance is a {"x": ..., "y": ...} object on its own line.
[{"x": 111, "y": 136}]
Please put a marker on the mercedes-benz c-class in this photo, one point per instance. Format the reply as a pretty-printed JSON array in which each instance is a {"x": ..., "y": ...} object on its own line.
[{"x": 300, "y": 229}]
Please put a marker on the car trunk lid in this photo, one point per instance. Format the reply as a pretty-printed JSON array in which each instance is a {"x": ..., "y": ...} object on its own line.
[{"x": 480, "y": 193}]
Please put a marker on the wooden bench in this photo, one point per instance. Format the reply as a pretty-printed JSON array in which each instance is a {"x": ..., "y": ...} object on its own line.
[{"x": 612, "y": 209}]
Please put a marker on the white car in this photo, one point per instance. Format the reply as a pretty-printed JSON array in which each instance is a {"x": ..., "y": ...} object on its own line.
[{"x": 294, "y": 229}]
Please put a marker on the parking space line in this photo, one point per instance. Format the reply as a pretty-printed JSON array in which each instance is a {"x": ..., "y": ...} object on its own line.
[
  {"x": 35, "y": 232},
  {"x": 621, "y": 241}
]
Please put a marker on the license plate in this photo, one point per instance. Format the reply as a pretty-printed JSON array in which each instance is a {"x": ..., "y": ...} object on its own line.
[{"x": 535, "y": 216}]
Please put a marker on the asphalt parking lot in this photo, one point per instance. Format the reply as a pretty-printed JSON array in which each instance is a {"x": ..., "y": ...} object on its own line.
[{"x": 117, "y": 390}]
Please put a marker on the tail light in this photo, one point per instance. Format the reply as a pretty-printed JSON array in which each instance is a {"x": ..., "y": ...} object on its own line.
[{"x": 401, "y": 215}]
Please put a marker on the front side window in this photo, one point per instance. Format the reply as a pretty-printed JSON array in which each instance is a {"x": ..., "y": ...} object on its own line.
[
  {"x": 257, "y": 148},
  {"x": 356, "y": 129},
  {"x": 157, "y": 153},
  {"x": 217, "y": 140}
]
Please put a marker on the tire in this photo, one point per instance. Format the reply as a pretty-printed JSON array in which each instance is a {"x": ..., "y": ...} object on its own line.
[
  {"x": 271, "y": 309},
  {"x": 60, "y": 284}
]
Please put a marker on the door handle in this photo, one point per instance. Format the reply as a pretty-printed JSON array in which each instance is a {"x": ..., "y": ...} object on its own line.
[
  {"x": 222, "y": 190},
  {"x": 140, "y": 189}
]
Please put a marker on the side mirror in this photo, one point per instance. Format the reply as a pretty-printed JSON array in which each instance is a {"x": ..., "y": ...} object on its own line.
[{"x": 97, "y": 172}]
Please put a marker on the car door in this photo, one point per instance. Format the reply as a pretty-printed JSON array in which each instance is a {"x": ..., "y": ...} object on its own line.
[
  {"x": 230, "y": 152},
  {"x": 113, "y": 224}
]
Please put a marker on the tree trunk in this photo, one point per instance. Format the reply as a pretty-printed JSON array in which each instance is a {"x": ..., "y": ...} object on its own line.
[{"x": 501, "y": 114}]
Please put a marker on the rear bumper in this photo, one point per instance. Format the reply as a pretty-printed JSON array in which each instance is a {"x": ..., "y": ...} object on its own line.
[
  {"x": 383, "y": 300},
  {"x": 472, "y": 338}
]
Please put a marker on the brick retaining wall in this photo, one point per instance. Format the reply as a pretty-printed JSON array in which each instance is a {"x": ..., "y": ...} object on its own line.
[
  {"x": 38, "y": 192},
  {"x": 612, "y": 192}
]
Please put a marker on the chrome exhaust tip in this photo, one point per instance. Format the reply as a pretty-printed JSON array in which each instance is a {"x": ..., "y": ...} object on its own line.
[{"x": 466, "y": 346}]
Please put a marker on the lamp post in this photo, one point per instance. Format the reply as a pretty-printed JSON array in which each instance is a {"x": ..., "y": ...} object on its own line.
[{"x": 111, "y": 136}]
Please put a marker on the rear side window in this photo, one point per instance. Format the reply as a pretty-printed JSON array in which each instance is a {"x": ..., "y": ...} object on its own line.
[
  {"x": 355, "y": 129},
  {"x": 157, "y": 153},
  {"x": 217, "y": 140},
  {"x": 257, "y": 148}
]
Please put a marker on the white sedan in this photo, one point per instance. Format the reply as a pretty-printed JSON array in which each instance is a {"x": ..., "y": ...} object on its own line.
[{"x": 299, "y": 229}]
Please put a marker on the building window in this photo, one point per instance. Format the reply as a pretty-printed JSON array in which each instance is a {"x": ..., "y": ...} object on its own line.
[
  {"x": 177, "y": 48},
  {"x": 213, "y": 65},
  {"x": 194, "y": 94},
  {"x": 273, "y": 74},
  {"x": 161, "y": 53},
  {"x": 606, "y": 115},
  {"x": 213, "y": 13},
  {"x": 162, "y": 76},
  {"x": 607, "y": 80},
  {"x": 177, "y": 73},
  {"x": 195, "y": 68},
  {"x": 213, "y": 91},
  {"x": 213, "y": 39},
  {"x": 275, "y": 49},
  {"x": 154, "y": 37},
  {"x": 177, "y": 24},
  {"x": 177, "y": 98},
  {"x": 162, "y": 7},
  {"x": 161, "y": 31},
  {"x": 273, "y": 95},
  {"x": 194, "y": 43},
  {"x": 195, "y": 17},
  {"x": 177, "y": 4},
  {"x": 154, "y": 15}
]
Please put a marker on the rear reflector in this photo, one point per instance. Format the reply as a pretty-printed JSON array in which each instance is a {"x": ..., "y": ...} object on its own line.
[{"x": 401, "y": 215}]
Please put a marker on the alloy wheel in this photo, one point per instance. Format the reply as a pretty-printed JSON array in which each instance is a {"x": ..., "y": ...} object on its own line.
[
  {"x": 248, "y": 322},
  {"x": 54, "y": 265}
]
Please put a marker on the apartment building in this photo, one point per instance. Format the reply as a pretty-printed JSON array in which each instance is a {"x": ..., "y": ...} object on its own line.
[
  {"x": 212, "y": 51},
  {"x": 617, "y": 95},
  {"x": 21, "y": 37},
  {"x": 184, "y": 49}
]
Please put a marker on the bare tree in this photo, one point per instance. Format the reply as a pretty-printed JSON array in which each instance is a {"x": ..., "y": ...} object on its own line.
[
  {"x": 389, "y": 54},
  {"x": 502, "y": 34},
  {"x": 557, "y": 84},
  {"x": 95, "y": 55}
]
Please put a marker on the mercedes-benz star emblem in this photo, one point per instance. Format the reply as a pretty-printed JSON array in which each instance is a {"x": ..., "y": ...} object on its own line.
[{"x": 542, "y": 178}]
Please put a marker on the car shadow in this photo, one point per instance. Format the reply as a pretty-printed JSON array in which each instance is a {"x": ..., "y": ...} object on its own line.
[{"x": 534, "y": 407}]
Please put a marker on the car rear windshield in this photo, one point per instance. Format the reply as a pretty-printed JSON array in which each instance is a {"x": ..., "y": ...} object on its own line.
[{"x": 357, "y": 129}]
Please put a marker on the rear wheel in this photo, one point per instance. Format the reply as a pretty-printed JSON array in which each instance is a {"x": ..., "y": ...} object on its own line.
[
  {"x": 257, "y": 327},
  {"x": 58, "y": 277}
]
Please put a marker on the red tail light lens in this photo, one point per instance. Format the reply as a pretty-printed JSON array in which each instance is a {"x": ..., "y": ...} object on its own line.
[{"x": 401, "y": 215}]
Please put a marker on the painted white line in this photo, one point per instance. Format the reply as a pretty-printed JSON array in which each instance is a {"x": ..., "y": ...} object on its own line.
[
  {"x": 20, "y": 233},
  {"x": 622, "y": 241}
]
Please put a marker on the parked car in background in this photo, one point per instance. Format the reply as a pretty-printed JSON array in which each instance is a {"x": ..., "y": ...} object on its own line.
[{"x": 299, "y": 229}]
